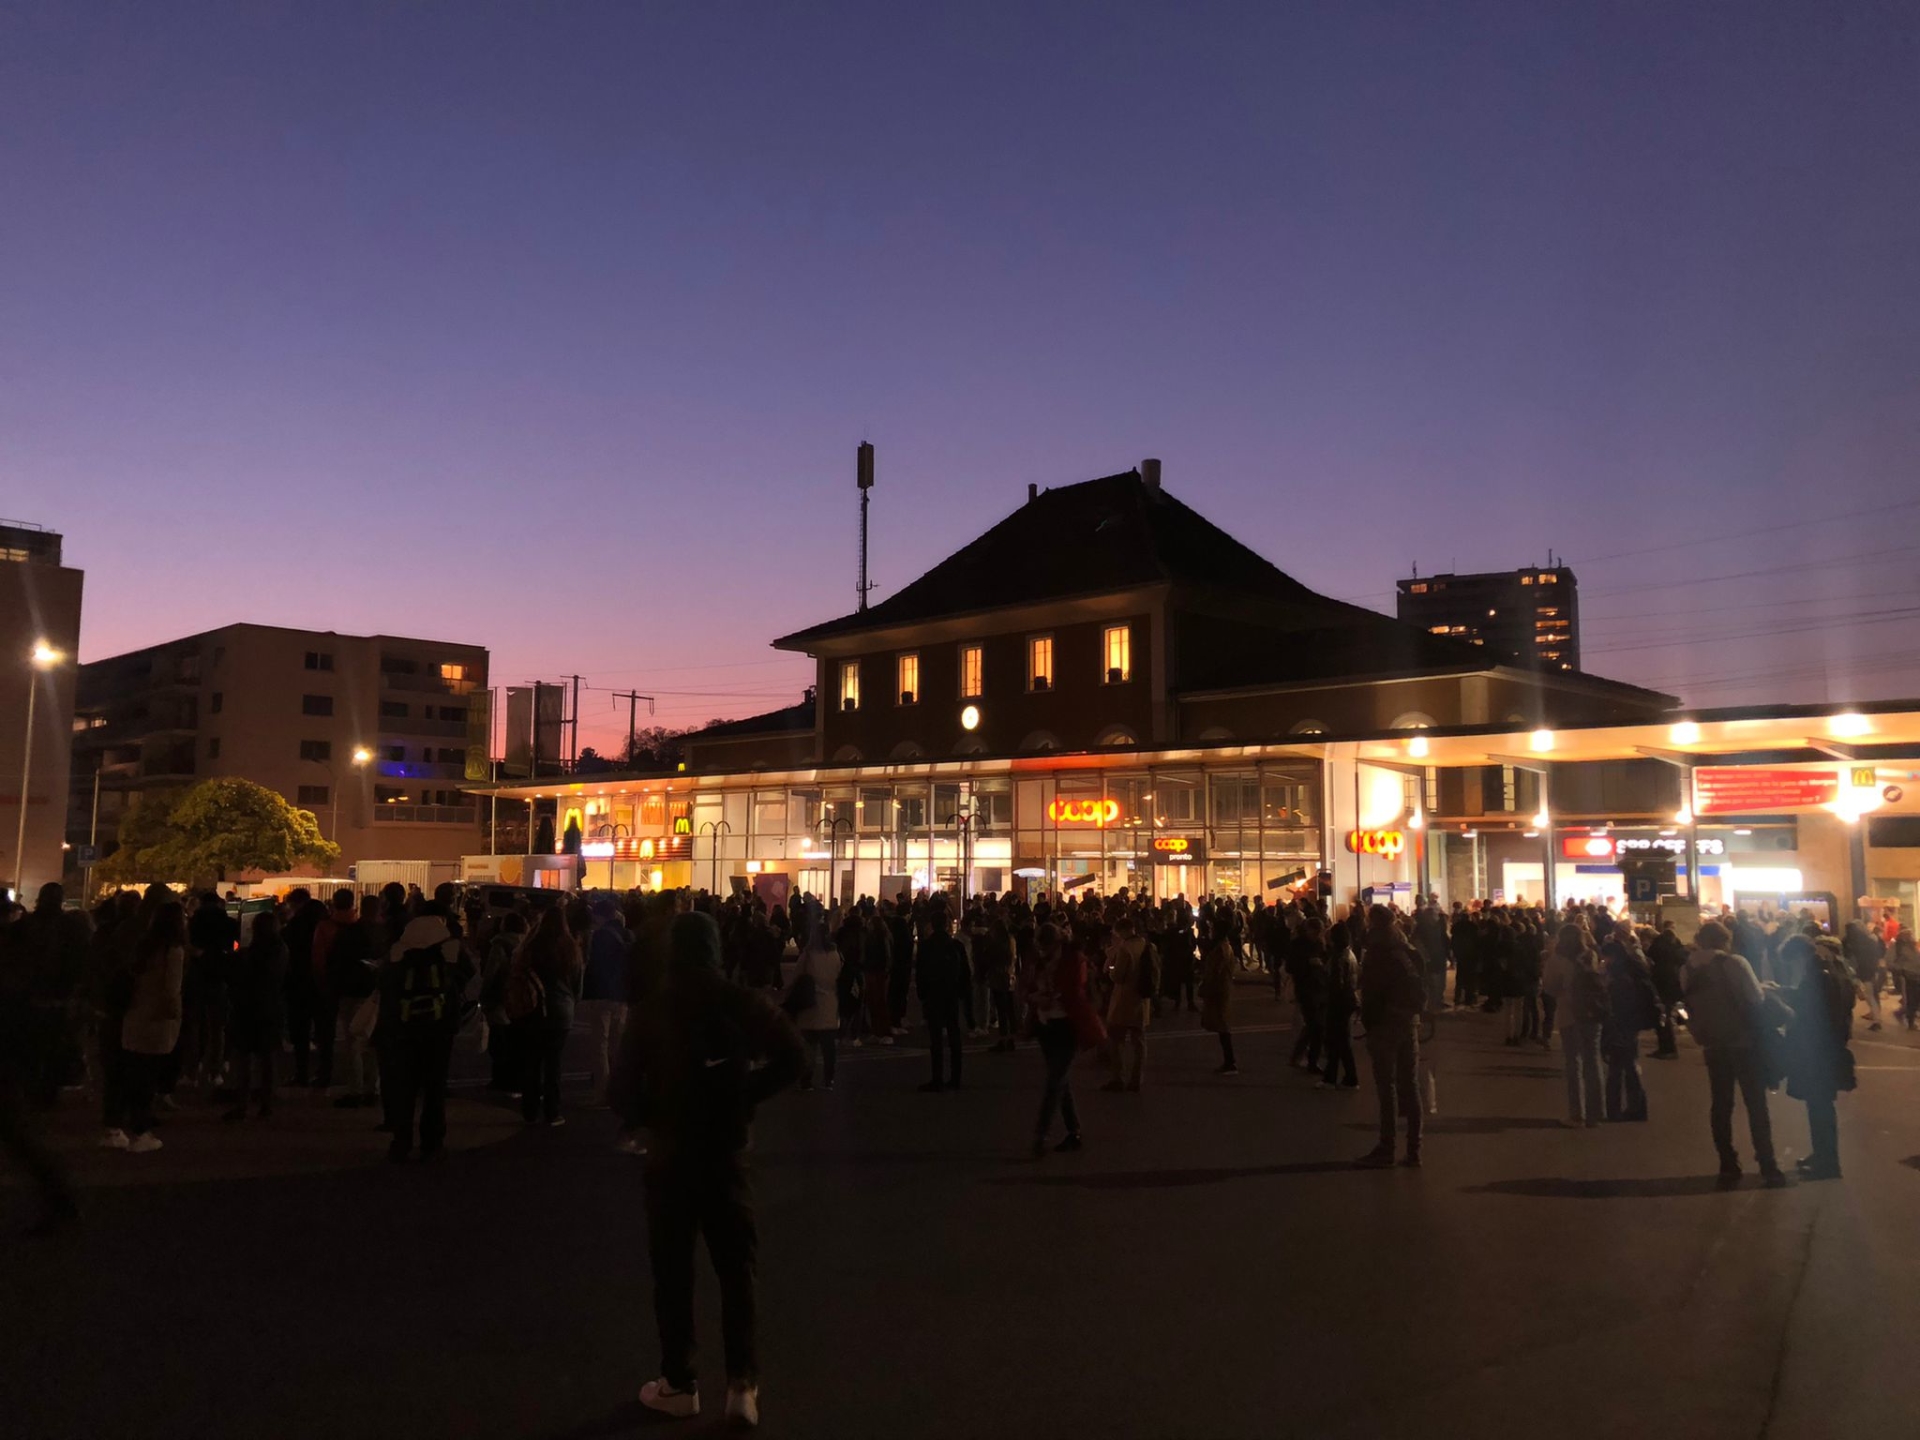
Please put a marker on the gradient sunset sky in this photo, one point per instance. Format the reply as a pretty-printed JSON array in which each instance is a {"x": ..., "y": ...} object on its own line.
[{"x": 553, "y": 327}]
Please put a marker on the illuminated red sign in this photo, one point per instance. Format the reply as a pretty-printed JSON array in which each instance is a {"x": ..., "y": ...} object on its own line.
[
  {"x": 1084, "y": 812},
  {"x": 1178, "y": 850},
  {"x": 1386, "y": 843},
  {"x": 1587, "y": 847},
  {"x": 1752, "y": 789}
]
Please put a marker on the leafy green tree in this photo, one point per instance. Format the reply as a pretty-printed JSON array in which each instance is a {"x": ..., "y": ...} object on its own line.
[
  {"x": 217, "y": 828},
  {"x": 144, "y": 828}
]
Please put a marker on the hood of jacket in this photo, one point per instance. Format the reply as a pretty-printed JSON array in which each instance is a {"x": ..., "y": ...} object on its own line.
[
  {"x": 693, "y": 945},
  {"x": 421, "y": 932}
]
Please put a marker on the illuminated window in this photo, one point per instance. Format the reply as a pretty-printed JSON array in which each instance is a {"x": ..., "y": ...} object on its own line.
[
  {"x": 1118, "y": 645},
  {"x": 970, "y": 676},
  {"x": 1040, "y": 663},
  {"x": 907, "y": 676},
  {"x": 1438, "y": 629},
  {"x": 1419, "y": 589},
  {"x": 850, "y": 685},
  {"x": 1549, "y": 579},
  {"x": 1526, "y": 579},
  {"x": 453, "y": 672}
]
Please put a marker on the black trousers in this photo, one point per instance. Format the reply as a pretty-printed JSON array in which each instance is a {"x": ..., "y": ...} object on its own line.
[
  {"x": 944, "y": 1026},
  {"x": 688, "y": 1196},
  {"x": 826, "y": 1045},
  {"x": 113, "y": 1074},
  {"x": 1728, "y": 1070},
  {"x": 300, "y": 1017},
  {"x": 1058, "y": 1046},
  {"x": 1307, "y": 1044},
  {"x": 419, "y": 1056},
  {"x": 326, "y": 1021},
  {"x": 22, "y": 1143},
  {"x": 540, "y": 1046},
  {"x": 1466, "y": 978},
  {"x": 139, "y": 1082},
  {"x": 1003, "y": 1014},
  {"x": 1339, "y": 1037}
]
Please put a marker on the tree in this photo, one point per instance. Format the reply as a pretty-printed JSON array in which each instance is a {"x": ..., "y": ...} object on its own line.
[
  {"x": 143, "y": 828},
  {"x": 223, "y": 826},
  {"x": 591, "y": 762}
]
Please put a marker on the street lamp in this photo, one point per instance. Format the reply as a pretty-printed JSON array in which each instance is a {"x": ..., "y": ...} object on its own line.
[
  {"x": 42, "y": 657},
  {"x": 832, "y": 826},
  {"x": 715, "y": 827},
  {"x": 361, "y": 757},
  {"x": 964, "y": 823}
]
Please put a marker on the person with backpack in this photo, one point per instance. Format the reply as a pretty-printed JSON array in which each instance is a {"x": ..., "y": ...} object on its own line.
[
  {"x": 420, "y": 988},
  {"x": 1135, "y": 967},
  {"x": 1819, "y": 1064},
  {"x": 1724, "y": 1002},
  {"x": 1393, "y": 994},
  {"x": 703, "y": 1054},
  {"x": 542, "y": 989},
  {"x": 1632, "y": 1006},
  {"x": 1572, "y": 977},
  {"x": 256, "y": 1013}
]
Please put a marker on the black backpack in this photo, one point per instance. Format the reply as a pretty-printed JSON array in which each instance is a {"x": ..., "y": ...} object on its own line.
[{"x": 423, "y": 985}]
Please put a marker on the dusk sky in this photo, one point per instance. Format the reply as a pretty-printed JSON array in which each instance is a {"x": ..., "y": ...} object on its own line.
[{"x": 553, "y": 327}]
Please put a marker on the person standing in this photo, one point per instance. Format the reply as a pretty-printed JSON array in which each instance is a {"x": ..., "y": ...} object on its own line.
[
  {"x": 1133, "y": 964},
  {"x": 1667, "y": 958},
  {"x": 305, "y": 917},
  {"x": 1723, "y": 1013},
  {"x": 603, "y": 992},
  {"x": 875, "y": 952},
  {"x": 1343, "y": 979},
  {"x": 1864, "y": 951},
  {"x": 941, "y": 974},
  {"x": 420, "y": 989},
  {"x": 818, "y": 1019},
  {"x": 53, "y": 941},
  {"x": 1216, "y": 992},
  {"x": 19, "y": 1138},
  {"x": 1430, "y": 942},
  {"x": 1572, "y": 978},
  {"x": 1819, "y": 1064},
  {"x": 1064, "y": 1023},
  {"x": 705, "y": 1053},
  {"x": 1392, "y": 997},
  {"x": 352, "y": 969},
  {"x": 1306, "y": 966},
  {"x": 548, "y": 966},
  {"x": 1632, "y": 1006},
  {"x": 150, "y": 1029},
  {"x": 993, "y": 959},
  {"x": 257, "y": 1017}
]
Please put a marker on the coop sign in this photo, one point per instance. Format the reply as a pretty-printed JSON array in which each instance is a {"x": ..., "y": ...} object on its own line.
[
  {"x": 1387, "y": 843},
  {"x": 1084, "y": 812}
]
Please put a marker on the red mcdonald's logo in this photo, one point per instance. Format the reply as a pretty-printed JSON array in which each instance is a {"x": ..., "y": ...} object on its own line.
[
  {"x": 1083, "y": 812},
  {"x": 1388, "y": 843}
]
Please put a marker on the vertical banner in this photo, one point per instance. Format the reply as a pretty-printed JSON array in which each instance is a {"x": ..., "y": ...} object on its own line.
[{"x": 480, "y": 735}]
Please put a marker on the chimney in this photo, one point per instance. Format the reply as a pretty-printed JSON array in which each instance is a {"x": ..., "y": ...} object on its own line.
[
  {"x": 1033, "y": 491},
  {"x": 1150, "y": 474}
]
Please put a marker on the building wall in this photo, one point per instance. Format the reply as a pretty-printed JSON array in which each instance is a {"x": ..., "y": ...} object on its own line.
[
  {"x": 38, "y": 601},
  {"x": 1078, "y": 713},
  {"x": 235, "y": 702},
  {"x": 770, "y": 751}
]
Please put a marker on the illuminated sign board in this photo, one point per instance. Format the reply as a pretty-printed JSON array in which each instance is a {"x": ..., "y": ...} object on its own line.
[
  {"x": 1755, "y": 789},
  {"x": 1084, "y": 812},
  {"x": 682, "y": 812},
  {"x": 1609, "y": 847},
  {"x": 1178, "y": 850},
  {"x": 1386, "y": 843},
  {"x": 642, "y": 848}
]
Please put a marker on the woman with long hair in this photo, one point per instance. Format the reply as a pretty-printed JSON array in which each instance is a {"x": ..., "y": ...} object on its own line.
[
  {"x": 1216, "y": 990},
  {"x": 1573, "y": 979},
  {"x": 1064, "y": 1023},
  {"x": 151, "y": 1027},
  {"x": 818, "y": 1019}
]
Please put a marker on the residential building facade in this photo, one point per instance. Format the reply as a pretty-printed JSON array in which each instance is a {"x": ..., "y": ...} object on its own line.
[{"x": 1528, "y": 617}]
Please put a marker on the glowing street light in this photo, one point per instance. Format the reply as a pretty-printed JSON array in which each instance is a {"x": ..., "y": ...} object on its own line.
[{"x": 42, "y": 657}]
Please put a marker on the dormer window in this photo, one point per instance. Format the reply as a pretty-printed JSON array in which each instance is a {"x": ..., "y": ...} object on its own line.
[
  {"x": 1040, "y": 662},
  {"x": 850, "y": 685},
  {"x": 1117, "y": 643},
  {"x": 907, "y": 679}
]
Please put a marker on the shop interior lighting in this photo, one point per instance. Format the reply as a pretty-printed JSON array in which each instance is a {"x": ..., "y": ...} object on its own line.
[
  {"x": 1683, "y": 816},
  {"x": 1685, "y": 733},
  {"x": 1541, "y": 741},
  {"x": 1849, "y": 726},
  {"x": 1416, "y": 821},
  {"x": 1541, "y": 820},
  {"x": 1417, "y": 747}
]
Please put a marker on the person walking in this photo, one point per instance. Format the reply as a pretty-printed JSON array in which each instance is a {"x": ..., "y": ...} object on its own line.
[
  {"x": 150, "y": 1029},
  {"x": 1819, "y": 1064},
  {"x": 256, "y": 1016},
  {"x": 1064, "y": 1023},
  {"x": 1723, "y": 1013},
  {"x": 603, "y": 993},
  {"x": 1216, "y": 994},
  {"x": 548, "y": 966},
  {"x": 993, "y": 959},
  {"x": 1667, "y": 958},
  {"x": 705, "y": 1054},
  {"x": 1134, "y": 966},
  {"x": 1864, "y": 951},
  {"x": 1572, "y": 977},
  {"x": 1343, "y": 1002},
  {"x": 1392, "y": 998},
  {"x": 420, "y": 988},
  {"x": 940, "y": 972},
  {"x": 813, "y": 1000},
  {"x": 1632, "y": 1006}
]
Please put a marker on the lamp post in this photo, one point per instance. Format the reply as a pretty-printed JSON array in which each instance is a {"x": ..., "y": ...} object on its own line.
[
  {"x": 361, "y": 757},
  {"x": 611, "y": 833},
  {"x": 964, "y": 822},
  {"x": 42, "y": 657},
  {"x": 832, "y": 826},
  {"x": 715, "y": 827}
]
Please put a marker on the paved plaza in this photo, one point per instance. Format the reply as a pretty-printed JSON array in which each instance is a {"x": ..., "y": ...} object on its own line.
[{"x": 1210, "y": 1266}]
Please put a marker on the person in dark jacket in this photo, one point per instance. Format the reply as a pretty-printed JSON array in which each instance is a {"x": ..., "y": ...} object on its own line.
[
  {"x": 1392, "y": 998},
  {"x": 940, "y": 971},
  {"x": 19, "y": 1136},
  {"x": 548, "y": 968},
  {"x": 256, "y": 1013},
  {"x": 703, "y": 1054},
  {"x": 1343, "y": 999},
  {"x": 1819, "y": 1064},
  {"x": 1632, "y": 1007},
  {"x": 1306, "y": 966},
  {"x": 212, "y": 937},
  {"x": 303, "y": 997},
  {"x": 1667, "y": 958}
]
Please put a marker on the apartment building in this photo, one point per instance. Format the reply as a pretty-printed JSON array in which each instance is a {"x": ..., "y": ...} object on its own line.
[
  {"x": 1528, "y": 617},
  {"x": 369, "y": 732}
]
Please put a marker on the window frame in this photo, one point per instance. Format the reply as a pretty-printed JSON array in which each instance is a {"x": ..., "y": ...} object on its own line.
[
  {"x": 1045, "y": 638},
  {"x": 322, "y": 752},
  {"x": 903, "y": 662},
  {"x": 849, "y": 689},
  {"x": 1124, "y": 629},
  {"x": 309, "y": 702},
  {"x": 973, "y": 672}
]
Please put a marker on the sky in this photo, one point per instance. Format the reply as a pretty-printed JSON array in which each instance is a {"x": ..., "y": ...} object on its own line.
[{"x": 554, "y": 328}]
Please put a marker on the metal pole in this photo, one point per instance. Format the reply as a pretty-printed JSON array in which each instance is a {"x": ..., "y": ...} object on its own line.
[
  {"x": 1693, "y": 840},
  {"x": 93, "y": 838},
  {"x": 26, "y": 778}
]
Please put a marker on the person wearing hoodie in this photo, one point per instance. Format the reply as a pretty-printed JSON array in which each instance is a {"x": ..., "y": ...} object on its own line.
[
  {"x": 703, "y": 1053},
  {"x": 420, "y": 988},
  {"x": 1724, "y": 1000},
  {"x": 1130, "y": 1006}
]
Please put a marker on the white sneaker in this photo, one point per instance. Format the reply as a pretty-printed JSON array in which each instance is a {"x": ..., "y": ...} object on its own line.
[
  {"x": 743, "y": 1404},
  {"x": 115, "y": 1139},
  {"x": 631, "y": 1145},
  {"x": 659, "y": 1395},
  {"x": 143, "y": 1144}
]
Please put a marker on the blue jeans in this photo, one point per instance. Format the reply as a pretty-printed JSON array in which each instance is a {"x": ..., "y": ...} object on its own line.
[{"x": 1585, "y": 1099}]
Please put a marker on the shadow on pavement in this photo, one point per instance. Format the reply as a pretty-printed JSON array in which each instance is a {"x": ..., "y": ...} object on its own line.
[
  {"x": 1470, "y": 1124},
  {"x": 1558, "y": 1188},
  {"x": 1171, "y": 1179},
  {"x": 633, "y": 1418},
  {"x": 1533, "y": 1072},
  {"x": 1912, "y": 1162}
]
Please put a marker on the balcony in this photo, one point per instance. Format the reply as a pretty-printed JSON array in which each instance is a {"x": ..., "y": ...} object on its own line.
[
  {"x": 426, "y": 815},
  {"x": 426, "y": 684}
]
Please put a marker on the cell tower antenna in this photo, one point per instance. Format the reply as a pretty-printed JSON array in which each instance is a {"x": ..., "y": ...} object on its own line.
[{"x": 863, "y": 477}]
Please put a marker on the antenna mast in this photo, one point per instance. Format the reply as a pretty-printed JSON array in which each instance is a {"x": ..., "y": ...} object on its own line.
[{"x": 863, "y": 477}]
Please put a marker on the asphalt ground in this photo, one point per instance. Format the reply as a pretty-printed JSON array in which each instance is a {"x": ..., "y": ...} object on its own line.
[{"x": 1210, "y": 1266}]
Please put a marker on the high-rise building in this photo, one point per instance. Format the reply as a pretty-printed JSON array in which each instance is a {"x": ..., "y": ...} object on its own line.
[
  {"x": 39, "y": 638},
  {"x": 369, "y": 732},
  {"x": 1524, "y": 617}
]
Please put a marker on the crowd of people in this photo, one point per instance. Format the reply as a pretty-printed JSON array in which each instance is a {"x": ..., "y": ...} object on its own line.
[{"x": 694, "y": 1009}]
